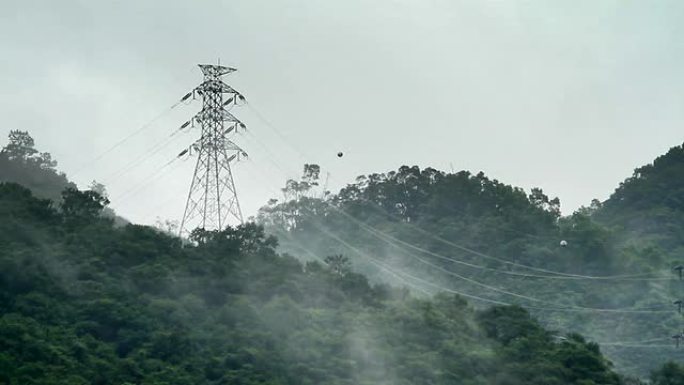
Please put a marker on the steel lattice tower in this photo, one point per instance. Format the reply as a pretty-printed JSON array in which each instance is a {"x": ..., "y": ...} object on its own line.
[{"x": 212, "y": 200}]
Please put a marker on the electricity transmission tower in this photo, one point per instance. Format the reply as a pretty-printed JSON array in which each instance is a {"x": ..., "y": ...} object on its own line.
[{"x": 212, "y": 202}]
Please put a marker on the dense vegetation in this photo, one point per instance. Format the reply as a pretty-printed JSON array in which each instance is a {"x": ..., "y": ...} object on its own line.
[
  {"x": 85, "y": 302},
  {"x": 649, "y": 205},
  {"x": 22, "y": 163},
  {"x": 467, "y": 233}
]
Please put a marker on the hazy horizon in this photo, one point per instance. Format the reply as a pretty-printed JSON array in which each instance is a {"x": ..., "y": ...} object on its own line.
[{"x": 569, "y": 97}]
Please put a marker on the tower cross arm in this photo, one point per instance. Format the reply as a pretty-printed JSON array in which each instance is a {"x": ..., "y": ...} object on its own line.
[
  {"x": 210, "y": 114},
  {"x": 216, "y": 70},
  {"x": 216, "y": 85},
  {"x": 231, "y": 146}
]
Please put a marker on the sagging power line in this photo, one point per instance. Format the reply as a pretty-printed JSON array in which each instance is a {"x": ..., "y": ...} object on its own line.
[{"x": 542, "y": 272}]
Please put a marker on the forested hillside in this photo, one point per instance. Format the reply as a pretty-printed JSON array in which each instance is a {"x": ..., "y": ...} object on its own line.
[
  {"x": 604, "y": 271},
  {"x": 22, "y": 163},
  {"x": 85, "y": 302},
  {"x": 649, "y": 205}
]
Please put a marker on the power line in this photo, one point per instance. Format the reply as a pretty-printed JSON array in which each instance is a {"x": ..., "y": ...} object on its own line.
[
  {"x": 148, "y": 154},
  {"x": 477, "y": 253},
  {"x": 634, "y": 343},
  {"x": 577, "y": 309},
  {"x": 372, "y": 260},
  {"x": 573, "y": 309},
  {"x": 512, "y": 273},
  {"x": 147, "y": 180},
  {"x": 533, "y": 299},
  {"x": 126, "y": 138},
  {"x": 560, "y": 275},
  {"x": 394, "y": 241},
  {"x": 322, "y": 228},
  {"x": 376, "y": 232}
]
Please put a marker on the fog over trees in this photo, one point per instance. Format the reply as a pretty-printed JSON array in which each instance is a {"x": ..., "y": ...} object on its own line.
[{"x": 414, "y": 276}]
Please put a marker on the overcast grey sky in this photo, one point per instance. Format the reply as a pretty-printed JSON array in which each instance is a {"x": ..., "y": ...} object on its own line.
[{"x": 569, "y": 96}]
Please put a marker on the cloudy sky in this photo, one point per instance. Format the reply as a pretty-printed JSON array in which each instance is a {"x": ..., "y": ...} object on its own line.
[{"x": 569, "y": 96}]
